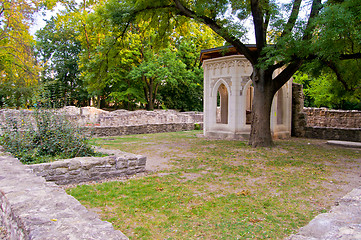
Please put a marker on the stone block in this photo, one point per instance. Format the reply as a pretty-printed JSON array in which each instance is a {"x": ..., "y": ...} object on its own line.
[
  {"x": 132, "y": 162},
  {"x": 75, "y": 172},
  {"x": 112, "y": 160},
  {"x": 74, "y": 164},
  {"x": 61, "y": 171},
  {"x": 121, "y": 164},
  {"x": 58, "y": 164},
  {"x": 91, "y": 163},
  {"x": 131, "y": 171},
  {"x": 103, "y": 168},
  {"x": 56, "y": 178},
  {"x": 142, "y": 161}
]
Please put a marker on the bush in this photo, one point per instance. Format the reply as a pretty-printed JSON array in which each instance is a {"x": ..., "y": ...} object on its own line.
[{"x": 43, "y": 136}]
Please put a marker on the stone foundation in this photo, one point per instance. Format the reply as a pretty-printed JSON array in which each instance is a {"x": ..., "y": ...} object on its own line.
[
  {"x": 103, "y": 131},
  {"x": 31, "y": 208},
  {"x": 85, "y": 169},
  {"x": 342, "y": 134}
]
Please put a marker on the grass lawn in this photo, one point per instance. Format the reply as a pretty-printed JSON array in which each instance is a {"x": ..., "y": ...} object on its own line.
[{"x": 213, "y": 189}]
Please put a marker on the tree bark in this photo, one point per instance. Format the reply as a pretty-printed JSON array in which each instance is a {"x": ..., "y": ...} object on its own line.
[{"x": 263, "y": 95}]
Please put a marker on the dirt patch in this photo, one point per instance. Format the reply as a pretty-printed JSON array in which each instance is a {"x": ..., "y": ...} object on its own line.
[
  {"x": 166, "y": 154},
  {"x": 190, "y": 176}
]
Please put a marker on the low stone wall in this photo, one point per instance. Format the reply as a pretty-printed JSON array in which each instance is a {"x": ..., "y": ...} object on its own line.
[
  {"x": 323, "y": 123},
  {"x": 323, "y": 117},
  {"x": 120, "y": 122},
  {"x": 89, "y": 116},
  {"x": 103, "y": 131},
  {"x": 31, "y": 208},
  {"x": 84, "y": 169},
  {"x": 342, "y": 134}
]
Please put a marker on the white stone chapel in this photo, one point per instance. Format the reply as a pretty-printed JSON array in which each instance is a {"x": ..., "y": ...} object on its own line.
[{"x": 228, "y": 95}]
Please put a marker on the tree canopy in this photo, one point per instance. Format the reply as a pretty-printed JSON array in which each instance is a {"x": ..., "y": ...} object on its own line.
[
  {"x": 285, "y": 38},
  {"x": 144, "y": 54},
  {"x": 83, "y": 49}
]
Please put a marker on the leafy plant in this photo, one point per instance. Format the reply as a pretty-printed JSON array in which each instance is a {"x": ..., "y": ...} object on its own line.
[
  {"x": 42, "y": 136},
  {"x": 197, "y": 126}
]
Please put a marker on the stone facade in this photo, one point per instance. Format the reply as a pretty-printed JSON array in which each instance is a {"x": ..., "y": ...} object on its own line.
[
  {"x": 228, "y": 95},
  {"x": 31, "y": 208},
  {"x": 84, "y": 169}
]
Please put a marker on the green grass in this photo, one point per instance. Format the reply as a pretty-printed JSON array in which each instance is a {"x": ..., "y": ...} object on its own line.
[{"x": 221, "y": 189}]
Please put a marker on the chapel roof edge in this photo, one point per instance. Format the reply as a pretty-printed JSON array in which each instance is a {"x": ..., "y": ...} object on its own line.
[{"x": 222, "y": 51}]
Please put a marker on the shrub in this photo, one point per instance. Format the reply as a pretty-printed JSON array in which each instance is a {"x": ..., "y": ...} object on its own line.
[
  {"x": 197, "y": 126},
  {"x": 43, "y": 136}
]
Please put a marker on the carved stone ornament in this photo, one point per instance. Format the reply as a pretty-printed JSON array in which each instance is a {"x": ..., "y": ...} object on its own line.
[{"x": 227, "y": 80}]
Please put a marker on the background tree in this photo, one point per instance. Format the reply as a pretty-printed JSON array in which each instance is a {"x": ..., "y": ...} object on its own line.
[
  {"x": 189, "y": 39},
  {"x": 280, "y": 44},
  {"x": 18, "y": 68},
  {"x": 59, "y": 49},
  {"x": 109, "y": 55}
]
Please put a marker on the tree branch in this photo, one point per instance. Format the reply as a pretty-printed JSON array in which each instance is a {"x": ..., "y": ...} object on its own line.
[
  {"x": 267, "y": 18},
  {"x": 339, "y": 77},
  {"x": 285, "y": 75},
  {"x": 293, "y": 17},
  {"x": 241, "y": 48},
  {"x": 350, "y": 56},
  {"x": 315, "y": 9},
  {"x": 288, "y": 72},
  {"x": 258, "y": 25}
]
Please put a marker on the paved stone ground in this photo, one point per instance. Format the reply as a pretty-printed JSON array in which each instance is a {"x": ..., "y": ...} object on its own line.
[
  {"x": 343, "y": 221},
  {"x": 345, "y": 144},
  {"x": 37, "y": 209}
]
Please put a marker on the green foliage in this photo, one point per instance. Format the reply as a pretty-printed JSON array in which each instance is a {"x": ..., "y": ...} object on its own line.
[
  {"x": 339, "y": 30},
  {"x": 325, "y": 91},
  {"x": 330, "y": 78},
  {"x": 48, "y": 137},
  {"x": 18, "y": 68},
  {"x": 58, "y": 49}
]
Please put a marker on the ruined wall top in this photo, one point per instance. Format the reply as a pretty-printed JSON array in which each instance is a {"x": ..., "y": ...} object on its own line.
[{"x": 90, "y": 116}]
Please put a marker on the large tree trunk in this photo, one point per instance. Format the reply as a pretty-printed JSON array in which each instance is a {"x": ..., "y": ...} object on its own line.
[{"x": 261, "y": 110}]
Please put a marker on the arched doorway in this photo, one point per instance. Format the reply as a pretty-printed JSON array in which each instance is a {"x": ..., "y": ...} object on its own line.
[
  {"x": 249, "y": 100},
  {"x": 279, "y": 112},
  {"x": 222, "y": 105}
]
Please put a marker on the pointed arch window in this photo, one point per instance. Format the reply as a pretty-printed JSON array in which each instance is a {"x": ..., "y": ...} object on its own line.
[
  {"x": 279, "y": 112},
  {"x": 249, "y": 100},
  {"x": 222, "y": 105}
]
